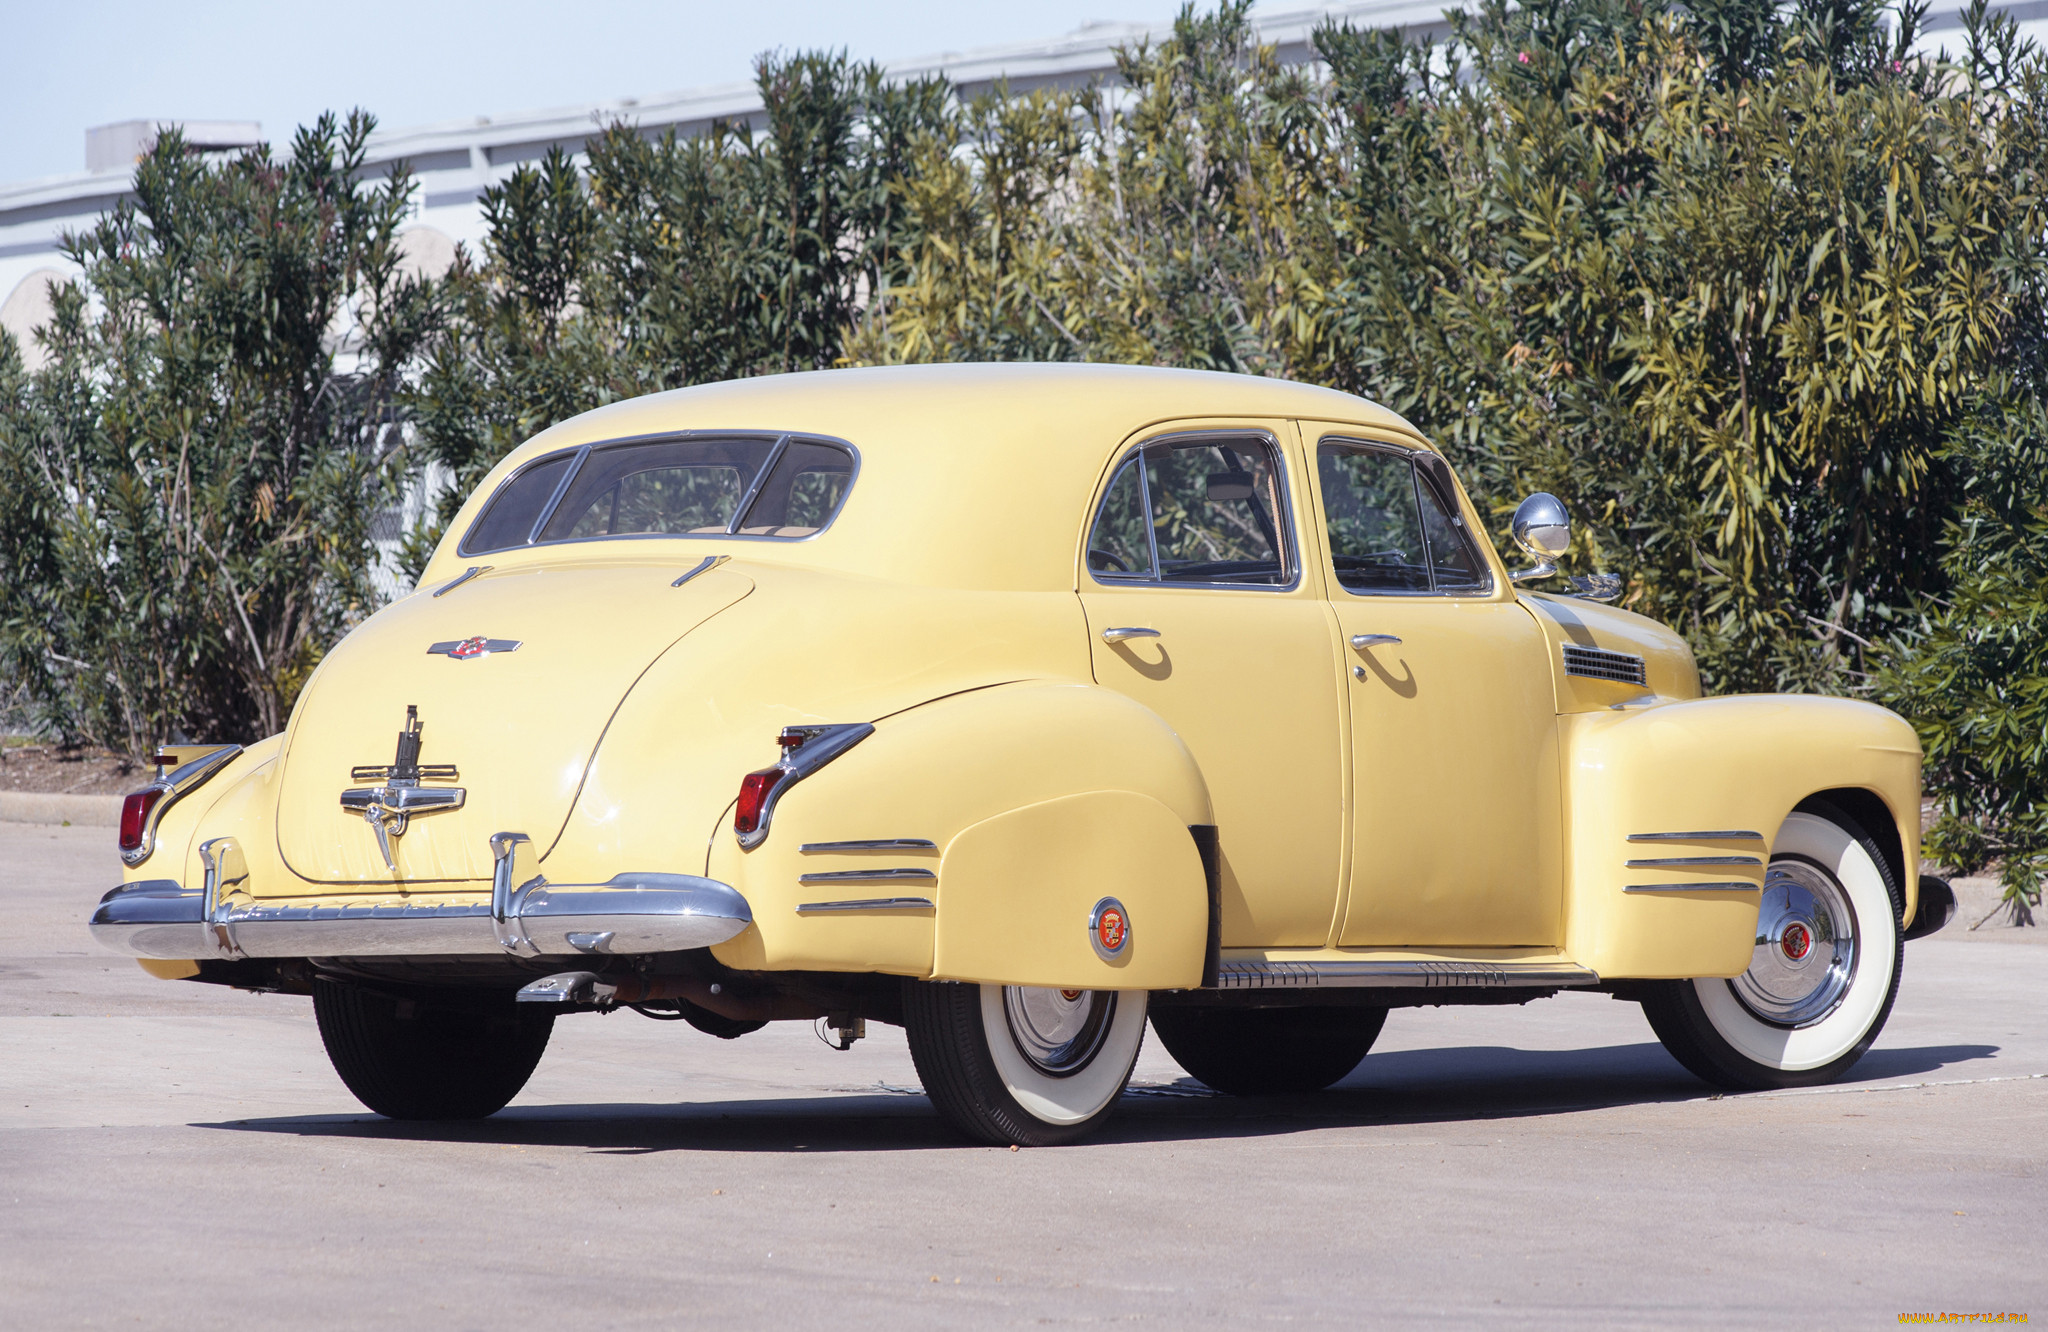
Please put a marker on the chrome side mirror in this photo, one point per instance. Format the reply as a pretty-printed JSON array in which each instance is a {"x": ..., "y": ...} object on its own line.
[{"x": 1543, "y": 529}]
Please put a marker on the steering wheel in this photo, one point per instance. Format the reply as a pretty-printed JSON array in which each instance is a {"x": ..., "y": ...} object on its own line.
[{"x": 1108, "y": 557}]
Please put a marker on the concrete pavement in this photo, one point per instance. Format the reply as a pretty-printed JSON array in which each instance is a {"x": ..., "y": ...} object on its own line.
[{"x": 174, "y": 1155}]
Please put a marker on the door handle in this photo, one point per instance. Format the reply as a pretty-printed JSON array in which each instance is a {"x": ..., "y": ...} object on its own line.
[
  {"x": 1364, "y": 641},
  {"x": 1126, "y": 634}
]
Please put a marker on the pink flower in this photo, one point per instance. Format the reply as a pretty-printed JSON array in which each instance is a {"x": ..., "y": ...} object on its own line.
[{"x": 1523, "y": 57}]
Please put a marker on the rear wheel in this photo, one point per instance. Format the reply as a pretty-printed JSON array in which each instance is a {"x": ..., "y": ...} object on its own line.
[
  {"x": 1019, "y": 1064},
  {"x": 1268, "y": 1051},
  {"x": 455, "y": 1057},
  {"x": 1821, "y": 979}
]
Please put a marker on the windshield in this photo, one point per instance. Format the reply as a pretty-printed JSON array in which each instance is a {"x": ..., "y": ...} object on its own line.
[{"x": 775, "y": 486}]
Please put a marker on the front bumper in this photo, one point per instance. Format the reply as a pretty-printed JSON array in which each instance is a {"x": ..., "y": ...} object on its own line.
[{"x": 630, "y": 914}]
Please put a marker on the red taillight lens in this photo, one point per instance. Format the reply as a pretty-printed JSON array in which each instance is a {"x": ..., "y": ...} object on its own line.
[
  {"x": 754, "y": 789},
  {"x": 135, "y": 816}
]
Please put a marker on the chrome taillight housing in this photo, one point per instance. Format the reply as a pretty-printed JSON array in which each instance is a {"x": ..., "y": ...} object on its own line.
[
  {"x": 141, "y": 810},
  {"x": 805, "y": 749}
]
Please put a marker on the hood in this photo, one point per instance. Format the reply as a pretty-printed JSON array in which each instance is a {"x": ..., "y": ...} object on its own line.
[{"x": 517, "y": 723}]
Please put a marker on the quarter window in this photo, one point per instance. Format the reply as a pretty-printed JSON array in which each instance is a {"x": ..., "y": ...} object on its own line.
[
  {"x": 1195, "y": 511},
  {"x": 1392, "y": 526},
  {"x": 749, "y": 485}
]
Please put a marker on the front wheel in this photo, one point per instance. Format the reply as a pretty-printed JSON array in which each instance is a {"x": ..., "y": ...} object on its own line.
[
  {"x": 1821, "y": 980},
  {"x": 1019, "y": 1064},
  {"x": 449, "y": 1056}
]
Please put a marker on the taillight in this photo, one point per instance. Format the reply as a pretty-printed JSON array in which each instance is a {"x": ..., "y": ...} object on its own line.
[
  {"x": 135, "y": 811},
  {"x": 754, "y": 789}
]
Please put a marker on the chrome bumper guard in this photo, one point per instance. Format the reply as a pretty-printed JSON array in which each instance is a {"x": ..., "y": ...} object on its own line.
[{"x": 526, "y": 916}]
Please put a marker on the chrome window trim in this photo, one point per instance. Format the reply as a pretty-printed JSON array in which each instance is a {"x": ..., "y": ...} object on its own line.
[
  {"x": 1415, "y": 457},
  {"x": 1285, "y": 531},
  {"x": 781, "y": 440}
]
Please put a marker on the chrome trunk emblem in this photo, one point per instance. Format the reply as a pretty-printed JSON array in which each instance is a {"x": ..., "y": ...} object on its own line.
[
  {"x": 389, "y": 807},
  {"x": 466, "y": 649}
]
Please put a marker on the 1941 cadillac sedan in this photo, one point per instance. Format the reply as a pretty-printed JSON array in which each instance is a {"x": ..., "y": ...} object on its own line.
[{"x": 1017, "y": 705}]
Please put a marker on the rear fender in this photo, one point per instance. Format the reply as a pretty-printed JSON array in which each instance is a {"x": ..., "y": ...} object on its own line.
[
  {"x": 1038, "y": 800},
  {"x": 1718, "y": 765}
]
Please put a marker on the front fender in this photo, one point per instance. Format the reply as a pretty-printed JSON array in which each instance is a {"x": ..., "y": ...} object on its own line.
[
  {"x": 1037, "y": 800},
  {"x": 1718, "y": 765}
]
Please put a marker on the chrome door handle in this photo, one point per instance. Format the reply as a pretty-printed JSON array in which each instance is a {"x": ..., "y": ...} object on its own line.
[
  {"x": 1364, "y": 641},
  {"x": 1124, "y": 635}
]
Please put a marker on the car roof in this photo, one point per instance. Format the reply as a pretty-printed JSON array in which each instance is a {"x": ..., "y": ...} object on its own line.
[{"x": 970, "y": 474}]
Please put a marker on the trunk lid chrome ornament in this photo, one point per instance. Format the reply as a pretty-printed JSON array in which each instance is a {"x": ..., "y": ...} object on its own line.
[{"x": 390, "y": 808}]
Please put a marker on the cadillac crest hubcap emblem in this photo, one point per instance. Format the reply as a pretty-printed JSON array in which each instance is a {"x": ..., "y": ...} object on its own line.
[{"x": 388, "y": 808}]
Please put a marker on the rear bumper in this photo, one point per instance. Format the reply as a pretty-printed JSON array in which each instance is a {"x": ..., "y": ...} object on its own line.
[{"x": 632, "y": 913}]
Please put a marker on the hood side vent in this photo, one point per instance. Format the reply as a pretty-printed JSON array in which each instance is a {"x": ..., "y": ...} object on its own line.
[{"x": 1600, "y": 664}]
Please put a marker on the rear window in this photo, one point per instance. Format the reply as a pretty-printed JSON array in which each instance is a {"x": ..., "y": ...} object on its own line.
[{"x": 775, "y": 486}]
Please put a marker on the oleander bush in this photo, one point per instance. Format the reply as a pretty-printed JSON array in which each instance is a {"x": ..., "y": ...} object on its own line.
[
  {"x": 186, "y": 486},
  {"x": 1752, "y": 286}
]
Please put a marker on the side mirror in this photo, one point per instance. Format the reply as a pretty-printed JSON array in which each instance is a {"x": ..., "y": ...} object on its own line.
[{"x": 1543, "y": 529}]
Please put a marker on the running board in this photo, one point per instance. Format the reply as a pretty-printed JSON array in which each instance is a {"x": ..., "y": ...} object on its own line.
[{"x": 1397, "y": 974}]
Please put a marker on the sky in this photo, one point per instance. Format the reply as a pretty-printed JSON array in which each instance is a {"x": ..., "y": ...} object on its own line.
[{"x": 67, "y": 66}]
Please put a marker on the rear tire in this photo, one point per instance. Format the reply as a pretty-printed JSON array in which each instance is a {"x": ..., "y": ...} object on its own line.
[
  {"x": 1268, "y": 1051},
  {"x": 461, "y": 1057},
  {"x": 1023, "y": 1065},
  {"x": 1823, "y": 975}
]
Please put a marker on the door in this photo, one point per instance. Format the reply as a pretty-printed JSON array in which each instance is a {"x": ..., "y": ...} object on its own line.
[
  {"x": 1197, "y": 608},
  {"x": 1456, "y": 833}
]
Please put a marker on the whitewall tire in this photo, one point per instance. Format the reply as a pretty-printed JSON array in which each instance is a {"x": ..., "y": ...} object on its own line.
[
  {"x": 1025, "y": 1065},
  {"x": 1822, "y": 976}
]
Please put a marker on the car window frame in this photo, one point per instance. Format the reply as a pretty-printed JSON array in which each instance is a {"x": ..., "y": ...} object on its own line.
[
  {"x": 1285, "y": 529},
  {"x": 579, "y": 453},
  {"x": 1425, "y": 468}
]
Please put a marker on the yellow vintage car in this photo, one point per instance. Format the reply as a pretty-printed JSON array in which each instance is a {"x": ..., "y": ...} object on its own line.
[{"x": 1017, "y": 704}]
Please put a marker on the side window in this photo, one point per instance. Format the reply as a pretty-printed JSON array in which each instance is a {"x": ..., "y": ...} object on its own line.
[
  {"x": 1195, "y": 512},
  {"x": 1390, "y": 528},
  {"x": 1118, "y": 545}
]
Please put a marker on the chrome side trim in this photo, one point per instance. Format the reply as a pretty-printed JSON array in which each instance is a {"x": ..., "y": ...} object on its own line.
[
  {"x": 813, "y": 749},
  {"x": 1427, "y": 975},
  {"x": 631, "y": 913},
  {"x": 1683, "y": 862},
  {"x": 871, "y": 876},
  {"x": 869, "y": 904},
  {"x": 1729, "y": 886},
  {"x": 705, "y": 565},
  {"x": 471, "y": 572},
  {"x": 874, "y": 844},
  {"x": 174, "y": 784},
  {"x": 1718, "y": 836}
]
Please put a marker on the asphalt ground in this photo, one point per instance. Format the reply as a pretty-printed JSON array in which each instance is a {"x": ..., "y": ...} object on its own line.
[{"x": 176, "y": 1155}]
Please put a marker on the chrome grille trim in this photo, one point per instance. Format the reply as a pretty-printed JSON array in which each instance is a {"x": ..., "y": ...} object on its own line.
[
  {"x": 1601, "y": 664},
  {"x": 1397, "y": 974}
]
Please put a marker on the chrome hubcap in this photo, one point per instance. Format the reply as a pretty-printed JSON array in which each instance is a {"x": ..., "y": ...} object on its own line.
[
  {"x": 1059, "y": 1031},
  {"x": 1805, "y": 954}
]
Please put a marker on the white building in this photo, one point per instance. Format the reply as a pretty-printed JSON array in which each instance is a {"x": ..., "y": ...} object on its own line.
[{"x": 455, "y": 160}]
